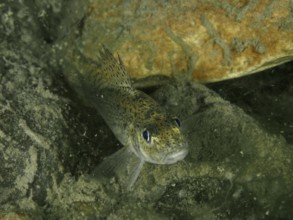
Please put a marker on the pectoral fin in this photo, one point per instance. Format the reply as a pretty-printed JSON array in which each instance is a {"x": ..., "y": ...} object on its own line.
[{"x": 123, "y": 164}]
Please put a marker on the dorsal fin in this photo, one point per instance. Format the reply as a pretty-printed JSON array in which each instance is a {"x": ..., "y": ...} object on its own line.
[{"x": 112, "y": 73}]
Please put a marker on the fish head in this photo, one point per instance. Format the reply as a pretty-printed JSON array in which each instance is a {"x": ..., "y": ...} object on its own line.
[{"x": 162, "y": 141}]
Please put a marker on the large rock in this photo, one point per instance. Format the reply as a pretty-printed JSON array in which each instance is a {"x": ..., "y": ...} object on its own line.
[{"x": 206, "y": 40}]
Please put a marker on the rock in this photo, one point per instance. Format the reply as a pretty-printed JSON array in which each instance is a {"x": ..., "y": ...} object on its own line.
[
  {"x": 31, "y": 119},
  {"x": 204, "y": 40}
]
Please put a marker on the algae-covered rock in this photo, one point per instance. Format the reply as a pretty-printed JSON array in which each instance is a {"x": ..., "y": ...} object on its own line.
[
  {"x": 31, "y": 120},
  {"x": 231, "y": 150},
  {"x": 234, "y": 170}
]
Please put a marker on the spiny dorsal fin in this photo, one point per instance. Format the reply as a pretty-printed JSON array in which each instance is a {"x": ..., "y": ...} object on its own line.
[{"x": 112, "y": 73}]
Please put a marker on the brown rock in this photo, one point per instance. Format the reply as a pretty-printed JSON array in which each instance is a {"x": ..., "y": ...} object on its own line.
[{"x": 212, "y": 40}]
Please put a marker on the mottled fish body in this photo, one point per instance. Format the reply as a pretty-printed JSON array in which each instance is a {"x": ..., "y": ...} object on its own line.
[{"x": 147, "y": 131}]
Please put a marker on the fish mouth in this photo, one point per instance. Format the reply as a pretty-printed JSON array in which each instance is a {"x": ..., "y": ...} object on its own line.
[
  {"x": 173, "y": 158},
  {"x": 163, "y": 158}
]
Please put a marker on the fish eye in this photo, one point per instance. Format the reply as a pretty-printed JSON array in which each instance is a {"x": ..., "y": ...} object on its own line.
[
  {"x": 177, "y": 122},
  {"x": 146, "y": 135}
]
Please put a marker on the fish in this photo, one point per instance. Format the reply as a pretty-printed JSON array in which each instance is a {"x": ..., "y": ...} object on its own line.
[{"x": 148, "y": 133}]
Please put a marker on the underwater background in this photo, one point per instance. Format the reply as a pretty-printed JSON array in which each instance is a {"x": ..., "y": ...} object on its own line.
[{"x": 240, "y": 134}]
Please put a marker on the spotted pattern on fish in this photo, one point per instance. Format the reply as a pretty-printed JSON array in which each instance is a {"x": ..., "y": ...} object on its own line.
[{"x": 147, "y": 131}]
